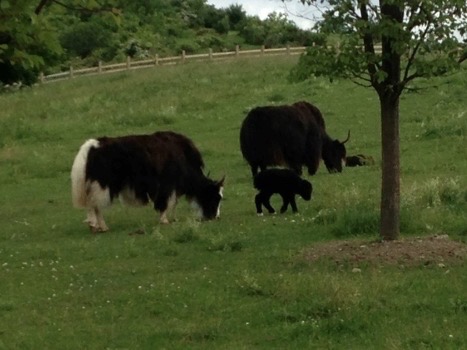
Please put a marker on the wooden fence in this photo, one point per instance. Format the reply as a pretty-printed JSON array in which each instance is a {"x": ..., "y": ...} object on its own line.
[{"x": 183, "y": 58}]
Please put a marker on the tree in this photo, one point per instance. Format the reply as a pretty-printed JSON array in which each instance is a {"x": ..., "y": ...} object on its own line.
[
  {"x": 417, "y": 39},
  {"x": 28, "y": 40},
  {"x": 25, "y": 42},
  {"x": 236, "y": 15}
]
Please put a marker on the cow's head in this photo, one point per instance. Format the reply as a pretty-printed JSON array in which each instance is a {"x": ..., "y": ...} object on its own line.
[
  {"x": 334, "y": 154},
  {"x": 306, "y": 189},
  {"x": 209, "y": 199}
]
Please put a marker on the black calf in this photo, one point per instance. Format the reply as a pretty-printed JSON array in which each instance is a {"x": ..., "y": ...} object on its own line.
[{"x": 286, "y": 183}]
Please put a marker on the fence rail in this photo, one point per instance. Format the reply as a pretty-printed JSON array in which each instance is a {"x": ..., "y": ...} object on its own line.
[{"x": 156, "y": 61}]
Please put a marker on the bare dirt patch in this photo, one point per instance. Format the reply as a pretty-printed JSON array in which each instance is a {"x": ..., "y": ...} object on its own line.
[{"x": 437, "y": 250}]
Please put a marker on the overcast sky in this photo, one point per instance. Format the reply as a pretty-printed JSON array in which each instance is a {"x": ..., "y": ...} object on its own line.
[{"x": 262, "y": 8}]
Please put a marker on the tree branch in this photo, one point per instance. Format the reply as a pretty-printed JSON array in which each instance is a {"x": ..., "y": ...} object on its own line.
[
  {"x": 368, "y": 40},
  {"x": 361, "y": 78},
  {"x": 414, "y": 53},
  {"x": 40, "y": 6},
  {"x": 463, "y": 57}
]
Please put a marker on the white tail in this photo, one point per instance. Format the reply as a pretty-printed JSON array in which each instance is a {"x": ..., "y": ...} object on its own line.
[{"x": 78, "y": 174}]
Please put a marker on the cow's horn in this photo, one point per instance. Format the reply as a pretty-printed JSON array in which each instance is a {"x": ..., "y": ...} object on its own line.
[
  {"x": 221, "y": 181},
  {"x": 347, "y": 139}
]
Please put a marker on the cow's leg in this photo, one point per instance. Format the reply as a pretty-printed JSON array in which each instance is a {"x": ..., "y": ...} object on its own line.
[
  {"x": 171, "y": 203},
  {"x": 95, "y": 220},
  {"x": 293, "y": 204},
  {"x": 91, "y": 218},
  {"x": 313, "y": 160},
  {"x": 258, "y": 203},
  {"x": 285, "y": 202},
  {"x": 99, "y": 198},
  {"x": 165, "y": 201},
  {"x": 267, "y": 203},
  {"x": 102, "y": 227}
]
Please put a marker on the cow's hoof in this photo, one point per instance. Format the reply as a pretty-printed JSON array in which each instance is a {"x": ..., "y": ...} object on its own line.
[{"x": 98, "y": 229}]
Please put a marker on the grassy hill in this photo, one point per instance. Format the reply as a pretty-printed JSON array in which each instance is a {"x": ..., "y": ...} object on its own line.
[{"x": 242, "y": 281}]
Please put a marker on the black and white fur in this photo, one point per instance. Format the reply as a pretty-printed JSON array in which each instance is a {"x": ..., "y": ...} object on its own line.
[
  {"x": 284, "y": 182},
  {"x": 139, "y": 169}
]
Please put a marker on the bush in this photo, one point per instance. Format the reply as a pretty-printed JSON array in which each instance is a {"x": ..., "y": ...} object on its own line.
[{"x": 85, "y": 37}]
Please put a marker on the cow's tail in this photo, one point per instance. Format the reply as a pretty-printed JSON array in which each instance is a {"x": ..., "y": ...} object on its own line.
[{"x": 78, "y": 174}]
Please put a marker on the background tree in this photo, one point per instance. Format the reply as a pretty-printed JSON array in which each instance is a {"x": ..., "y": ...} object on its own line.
[
  {"x": 26, "y": 42},
  {"x": 29, "y": 39},
  {"x": 51, "y": 35},
  {"x": 417, "y": 39}
]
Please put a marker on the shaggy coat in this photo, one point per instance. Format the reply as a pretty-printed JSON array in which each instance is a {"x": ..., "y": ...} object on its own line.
[
  {"x": 138, "y": 169},
  {"x": 289, "y": 136},
  {"x": 284, "y": 182}
]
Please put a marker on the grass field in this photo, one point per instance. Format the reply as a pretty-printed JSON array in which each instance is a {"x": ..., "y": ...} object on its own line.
[{"x": 243, "y": 281}]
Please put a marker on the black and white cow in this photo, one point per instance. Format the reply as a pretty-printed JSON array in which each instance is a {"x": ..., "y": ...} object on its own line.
[
  {"x": 138, "y": 169},
  {"x": 289, "y": 136}
]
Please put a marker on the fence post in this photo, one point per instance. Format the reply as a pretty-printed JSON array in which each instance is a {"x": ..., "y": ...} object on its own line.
[
  {"x": 288, "y": 50},
  {"x": 99, "y": 67},
  {"x": 41, "y": 77},
  {"x": 262, "y": 50},
  {"x": 210, "y": 54},
  {"x": 237, "y": 50},
  {"x": 183, "y": 56},
  {"x": 71, "y": 72},
  {"x": 128, "y": 62},
  {"x": 156, "y": 59}
]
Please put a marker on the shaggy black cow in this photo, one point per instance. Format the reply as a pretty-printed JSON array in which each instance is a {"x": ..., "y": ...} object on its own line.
[
  {"x": 289, "y": 136},
  {"x": 140, "y": 168},
  {"x": 286, "y": 183}
]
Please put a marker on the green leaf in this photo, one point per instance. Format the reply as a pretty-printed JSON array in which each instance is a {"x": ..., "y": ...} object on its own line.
[
  {"x": 4, "y": 5},
  {"x": 381, "y": 76}
]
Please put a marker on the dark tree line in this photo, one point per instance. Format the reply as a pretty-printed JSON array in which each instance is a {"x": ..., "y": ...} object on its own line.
[{"x": 49, "y": 35}]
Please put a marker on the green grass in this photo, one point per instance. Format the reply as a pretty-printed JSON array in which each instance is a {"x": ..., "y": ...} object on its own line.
[{"x": 240, "y": 282}]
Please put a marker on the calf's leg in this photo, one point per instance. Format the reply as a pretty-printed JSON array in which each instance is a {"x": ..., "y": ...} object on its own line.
[
  {"x": 285, "y": 202},
  {"x": 263, "y": 198},
  {"x": 293, "y": 204}
]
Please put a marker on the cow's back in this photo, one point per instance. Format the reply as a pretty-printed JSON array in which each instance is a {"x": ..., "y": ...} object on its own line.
[
  {"x": 312, "y": 112},
  {"x": 271, "y": 135},
  {"x": 167, "y": 147}
]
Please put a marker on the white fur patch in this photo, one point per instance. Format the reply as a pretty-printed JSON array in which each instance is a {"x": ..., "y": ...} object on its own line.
[
  {"x": 128, "y": 197},
  {"x": 221, "y": 193},
  {"x": 171, "y": 203},
  {"x": 197, "y": 208},
  {"x": 97, "y": 197},
  {"x": 78, "y": 174}
]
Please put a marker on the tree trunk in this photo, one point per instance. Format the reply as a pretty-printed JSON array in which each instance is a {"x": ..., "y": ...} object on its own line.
[{"x": 390, "y": 187}]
